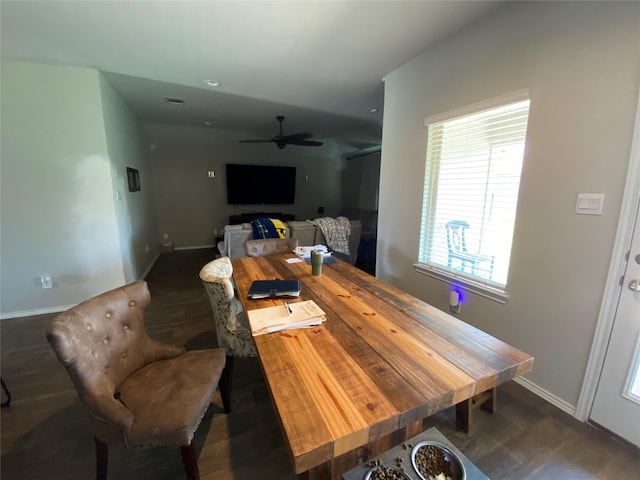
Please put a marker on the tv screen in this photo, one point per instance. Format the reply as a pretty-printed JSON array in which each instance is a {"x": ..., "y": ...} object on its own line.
[{"x": 260, "y": 184}]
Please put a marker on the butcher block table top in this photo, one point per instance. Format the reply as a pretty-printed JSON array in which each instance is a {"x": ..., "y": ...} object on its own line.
[{"x": 365, "y": 379}]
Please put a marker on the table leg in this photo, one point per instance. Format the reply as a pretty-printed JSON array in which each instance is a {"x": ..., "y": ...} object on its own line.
[
  {"x": 488, "y": 400},
  {"x": 335, "y": 468}
]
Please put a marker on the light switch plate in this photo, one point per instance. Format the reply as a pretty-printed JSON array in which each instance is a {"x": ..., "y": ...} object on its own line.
[{"x": 590, "y": 203}]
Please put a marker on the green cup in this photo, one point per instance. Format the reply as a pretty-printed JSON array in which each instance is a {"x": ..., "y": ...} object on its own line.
[{"x": 317, "y": 257}]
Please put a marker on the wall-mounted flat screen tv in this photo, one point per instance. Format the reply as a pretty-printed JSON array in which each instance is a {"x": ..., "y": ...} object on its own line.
[{"x": 260, "y": 184}]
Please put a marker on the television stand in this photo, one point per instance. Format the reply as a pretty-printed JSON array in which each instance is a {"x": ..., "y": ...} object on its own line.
[{"x": 248, "y": 217}]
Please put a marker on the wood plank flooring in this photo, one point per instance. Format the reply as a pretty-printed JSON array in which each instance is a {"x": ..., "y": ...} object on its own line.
[{"x": 45, "y": 433}]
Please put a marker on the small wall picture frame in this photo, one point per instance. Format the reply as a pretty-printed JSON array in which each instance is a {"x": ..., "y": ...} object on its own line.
[{"x": 133, "y": 177}]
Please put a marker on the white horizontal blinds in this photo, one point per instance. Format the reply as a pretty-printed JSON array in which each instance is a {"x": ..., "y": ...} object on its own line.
[
  {"x": 473, "y": 170},
  {"x": 434, "y": 152}
]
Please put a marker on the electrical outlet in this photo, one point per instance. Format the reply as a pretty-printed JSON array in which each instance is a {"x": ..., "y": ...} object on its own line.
[
  {"x": 146, "y": 248},
  {"x": 46, "y": 282}
]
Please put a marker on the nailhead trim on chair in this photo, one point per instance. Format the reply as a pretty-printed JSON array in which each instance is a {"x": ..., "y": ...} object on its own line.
[
  {"x": 265, "y": 249},
  {"x": 269, "y": 246}
]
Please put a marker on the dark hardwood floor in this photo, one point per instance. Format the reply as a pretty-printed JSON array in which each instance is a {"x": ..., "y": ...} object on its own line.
[{"x": 46, "y": 434}]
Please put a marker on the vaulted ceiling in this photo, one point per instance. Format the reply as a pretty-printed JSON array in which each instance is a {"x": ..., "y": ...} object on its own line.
[{"x": 320, "y": 63}]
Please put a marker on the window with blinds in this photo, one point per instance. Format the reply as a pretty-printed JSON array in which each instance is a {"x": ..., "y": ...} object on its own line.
[{"x": 472, "y": 177}]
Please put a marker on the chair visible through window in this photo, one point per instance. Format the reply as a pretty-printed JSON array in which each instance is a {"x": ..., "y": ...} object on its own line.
[{"x": 460, "y": 258}]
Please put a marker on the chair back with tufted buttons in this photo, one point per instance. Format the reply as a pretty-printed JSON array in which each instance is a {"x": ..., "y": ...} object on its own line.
[
  {"x": 102, "y": 341},
  {"x": 138, "y": 392}
]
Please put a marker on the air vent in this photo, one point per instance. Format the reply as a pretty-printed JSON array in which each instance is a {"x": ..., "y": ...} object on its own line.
[{"x": 174, "y": 100}]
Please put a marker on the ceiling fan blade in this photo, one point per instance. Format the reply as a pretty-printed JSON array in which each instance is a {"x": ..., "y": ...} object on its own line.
[
  {"x": 282, "y": 140},
  {"x": 305, "y": 143},
  {"x": 298, "y": 136}
]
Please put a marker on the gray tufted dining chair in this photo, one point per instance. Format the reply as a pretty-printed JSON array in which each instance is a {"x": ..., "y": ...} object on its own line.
[
  {"x": 138, "y": 392},
  {"x": 232, "y": 325}
]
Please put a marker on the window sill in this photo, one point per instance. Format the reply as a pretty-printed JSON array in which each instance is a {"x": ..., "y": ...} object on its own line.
[{"x": 469, "y": 284}]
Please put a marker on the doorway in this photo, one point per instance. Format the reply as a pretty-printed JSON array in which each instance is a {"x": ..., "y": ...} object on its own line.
[
  {"x": 616, "y": 404},
  {"x": 361, "y": 182},
  {"x": 610, "y": 394}
]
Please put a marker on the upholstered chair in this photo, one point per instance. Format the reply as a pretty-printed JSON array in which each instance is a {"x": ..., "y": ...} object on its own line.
[
  {"x": 234, "y": 236},
  {"x": 269, "y": 246},
  {"x": 137, "y": 392},
  {"x": 232, "y": 325}
]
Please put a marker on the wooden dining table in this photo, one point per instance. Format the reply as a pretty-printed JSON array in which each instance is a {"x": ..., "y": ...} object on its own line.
[{"x": 364, "y": 380}]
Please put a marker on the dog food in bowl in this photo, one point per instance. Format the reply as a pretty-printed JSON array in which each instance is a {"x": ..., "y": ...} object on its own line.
[
  {"x": 386, "y": 472},
  {"x": 434, "y": 461}
]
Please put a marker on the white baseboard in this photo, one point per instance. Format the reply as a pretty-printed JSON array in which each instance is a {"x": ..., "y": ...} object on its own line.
[
  {"x": 195, "y": 247},
  {"x": 548, "y": 396},
  {"x": 153, "y": 262},
  {"x": 38, "y": 311}
]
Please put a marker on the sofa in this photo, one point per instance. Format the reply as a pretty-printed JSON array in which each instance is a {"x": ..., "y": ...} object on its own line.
[
  {"x": 309, "y": 234},
  {"x": 304, "y": 231}
]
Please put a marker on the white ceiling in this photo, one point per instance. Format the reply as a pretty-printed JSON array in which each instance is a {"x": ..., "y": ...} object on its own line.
[{"x": 319, "y": 63}]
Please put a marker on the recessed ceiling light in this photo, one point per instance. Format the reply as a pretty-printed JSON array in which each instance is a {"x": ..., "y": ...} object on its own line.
[
  {"x": 373, "y": 110},
  {"x": 208, "y": 124},
  {"x": 212, "y": 83}
]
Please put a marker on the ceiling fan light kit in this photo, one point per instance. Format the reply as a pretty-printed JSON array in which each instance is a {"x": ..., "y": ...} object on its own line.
[{"x": 282, "y": 140}]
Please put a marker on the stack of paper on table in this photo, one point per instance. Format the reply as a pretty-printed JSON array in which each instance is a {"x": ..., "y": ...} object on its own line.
[
  {"x": 275, "y": 319},
  {"x": 305, "y": 252}
]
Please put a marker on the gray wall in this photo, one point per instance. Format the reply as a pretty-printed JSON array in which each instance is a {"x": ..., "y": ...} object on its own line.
[
  {"x": 192, "y": 206},
  {"x": 59, "y": 211},
  {"x": 135, "y": 211},
  {"x": 581, "y": 62}
]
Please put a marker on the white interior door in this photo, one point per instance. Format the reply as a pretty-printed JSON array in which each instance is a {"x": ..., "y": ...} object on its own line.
[{"x": 617, "y": 401}]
